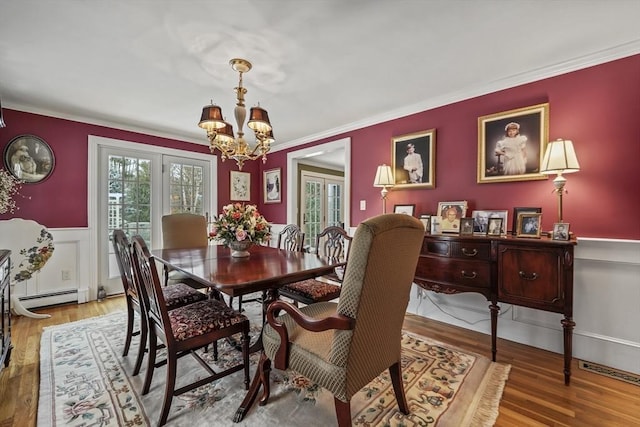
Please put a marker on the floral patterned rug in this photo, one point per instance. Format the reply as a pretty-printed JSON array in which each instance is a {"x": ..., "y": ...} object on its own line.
[{"x": 85, "y": 381}]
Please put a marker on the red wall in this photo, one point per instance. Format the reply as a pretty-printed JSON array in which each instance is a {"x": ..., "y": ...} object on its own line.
[
  {"x": 60, "y": 201},
  {"x": 598, "y": 108}
]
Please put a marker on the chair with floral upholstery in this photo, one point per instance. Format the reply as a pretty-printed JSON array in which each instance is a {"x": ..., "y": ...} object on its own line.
[
  {"x": 175, "y": 295},
  {"x": 184, "y": 330},
  {"x": 333, "y": 244},
  {"x": 344, "y": 345}
]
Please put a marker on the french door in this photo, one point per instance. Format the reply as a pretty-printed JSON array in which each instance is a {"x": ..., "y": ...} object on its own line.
[
  {"x": 136, "y": 186},
  {"x": 322, "y": 198}
]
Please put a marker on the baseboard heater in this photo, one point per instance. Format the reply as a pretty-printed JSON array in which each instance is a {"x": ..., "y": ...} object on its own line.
[{"x": 51, "y": 298}]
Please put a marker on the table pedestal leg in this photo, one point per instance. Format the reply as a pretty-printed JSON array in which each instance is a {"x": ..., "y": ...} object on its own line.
[{"x": 20, "y": 310}]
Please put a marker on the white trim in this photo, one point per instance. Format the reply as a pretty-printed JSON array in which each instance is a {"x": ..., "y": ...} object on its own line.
[
  {"x": 95, "y": 142},
  {"x": 294, "y": 157},
  {"x": 574, "y": 64}
]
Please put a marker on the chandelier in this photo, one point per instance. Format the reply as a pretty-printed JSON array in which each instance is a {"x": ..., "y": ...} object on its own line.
[{"x": 220, "y": 133}]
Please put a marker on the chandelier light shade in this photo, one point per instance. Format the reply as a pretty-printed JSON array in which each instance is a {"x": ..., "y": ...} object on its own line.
[
  {"x": 559, "y": 158},
  {"x": 384, "y": 179},
  {"x": 220, "y": 133}
]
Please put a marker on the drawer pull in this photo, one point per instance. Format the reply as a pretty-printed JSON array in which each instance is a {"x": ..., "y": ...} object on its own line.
[
  {"x": 525, "y": 276},
  {"x": 466, "y": 252},
  {"x": 473, "y": 275}
]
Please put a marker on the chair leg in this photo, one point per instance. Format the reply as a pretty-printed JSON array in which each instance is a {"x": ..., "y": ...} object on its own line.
[
  {"x": 343, "y": 412},
  {"x": 245, "y": 356},
  {"x": 130, "y": 316},
  {"x": 398, "y": 387},
  {"x": 169, "y": 387},
  {"x": 151, "y": 360},
  {"x": 144, "y": 332}
]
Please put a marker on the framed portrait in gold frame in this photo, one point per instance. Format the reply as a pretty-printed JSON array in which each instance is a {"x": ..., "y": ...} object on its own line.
[
  {"x": 413, "y": 160},
  {"x": 511, "y": 144}
]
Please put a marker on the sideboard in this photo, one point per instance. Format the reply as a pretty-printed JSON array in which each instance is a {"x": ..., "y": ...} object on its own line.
[
  {"x": 527, "y": 272},
  {"x": 5, "y": 301}
]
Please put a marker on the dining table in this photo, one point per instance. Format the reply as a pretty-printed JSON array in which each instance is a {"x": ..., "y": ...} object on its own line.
[{"x": 265, "y": 269}]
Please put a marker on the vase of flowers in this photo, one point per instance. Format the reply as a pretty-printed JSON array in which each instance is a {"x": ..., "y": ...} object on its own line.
[{"x": 239, "y": 227}]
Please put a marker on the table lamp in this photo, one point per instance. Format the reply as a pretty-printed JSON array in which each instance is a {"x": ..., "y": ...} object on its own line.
[
  {"x": 559, "y": 158},
  {"x": 384, "y": 179}
]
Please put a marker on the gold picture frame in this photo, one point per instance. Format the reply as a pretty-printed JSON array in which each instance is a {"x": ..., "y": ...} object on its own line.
[
  {"x": 446, "y": 210},
  {"x": 529, "y": 225},
  {"x": 511, "y": 144},
  {"x": 414, "y": 169},
  {"x": 240, "y": 186}
]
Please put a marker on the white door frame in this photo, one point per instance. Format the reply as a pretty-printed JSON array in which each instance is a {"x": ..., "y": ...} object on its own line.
[
  {"x": 95, "y": 142},
  {"x": 294, "y": 157}
]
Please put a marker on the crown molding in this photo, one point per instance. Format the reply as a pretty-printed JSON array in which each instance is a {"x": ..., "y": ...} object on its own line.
[{"x": 574, "y": 64}]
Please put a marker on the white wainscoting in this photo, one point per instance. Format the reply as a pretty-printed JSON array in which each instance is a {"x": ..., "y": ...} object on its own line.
[
  {"x": 606, "y": 308},
  {"x": 65, "y": 277}
]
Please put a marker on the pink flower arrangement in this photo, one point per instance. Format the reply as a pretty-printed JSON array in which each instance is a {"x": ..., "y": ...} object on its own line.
[{"x": 240, "y": 222}]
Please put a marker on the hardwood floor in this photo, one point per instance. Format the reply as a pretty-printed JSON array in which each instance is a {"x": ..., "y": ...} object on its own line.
[{"x": 535, "y": 394}]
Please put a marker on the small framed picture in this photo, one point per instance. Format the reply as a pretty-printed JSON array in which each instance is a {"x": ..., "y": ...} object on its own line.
[
  {"x": 529, "y": 225},
  {"x": 29, "y": 158},
  {"x": 481, "y": 220},
  {"x": 450, "y": 214},
  {"x": 426, "y": 220},
  {"x": 240, "y": 186},
  {"x": 271, "y": 186},
  {"x": 516, "y": 212},
  {"x": 404, "y": 209},
  {"x": 435, "y": 225},
  {"x": 495, "y": 227},
  {"x": 560, "y": 231},
  {"x": 466, "y": 226}
]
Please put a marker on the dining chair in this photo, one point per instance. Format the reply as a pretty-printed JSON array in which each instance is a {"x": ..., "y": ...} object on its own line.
[
  {"x": 182, "y": 231},
  {"x": 175, "y": 295},
  {"x": 333, "y": 244},
  {"x": 344, "y": 345},
  {"x": 290, "y": 238},
  {"x": 184, "y": 330}
]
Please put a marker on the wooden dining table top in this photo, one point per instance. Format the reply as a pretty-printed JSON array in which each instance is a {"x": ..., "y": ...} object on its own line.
[{"x": 265, "y": 268}]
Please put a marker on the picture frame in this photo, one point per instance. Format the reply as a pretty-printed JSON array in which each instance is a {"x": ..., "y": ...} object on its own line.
[
  {"x": 404, "y": 209},
  {"x": 481, "y": 220},
  {"x": 517, "y": 211},
  {"x": 466, "y": 226},
  {"x": 495, "y": 227},
  {"x": 422, "y": 157},
  {"x": 435, "y": 225},
  {"x": 240, "y": 186},
  {"x": 29, "y": 158},
  {"x": 499, "y": 154},
  {"x": 560, "y": 231},
  {"x": 529, "y": 224},
  {"x": 271, "y": 186},
  {"x": 446, "y": 210},
  {"x": 426, "y": 220}
]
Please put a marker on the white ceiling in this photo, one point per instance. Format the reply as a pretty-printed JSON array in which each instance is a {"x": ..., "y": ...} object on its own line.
[{"x": 320, "y": 67}]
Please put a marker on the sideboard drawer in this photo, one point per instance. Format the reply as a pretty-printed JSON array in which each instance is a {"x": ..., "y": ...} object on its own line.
[
  {"x": 462, "y": 273},
  {"x": 471, "y": 250}
]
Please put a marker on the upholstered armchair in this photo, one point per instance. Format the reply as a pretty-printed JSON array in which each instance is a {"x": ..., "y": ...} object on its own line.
[{"x": 343, "y": 346}]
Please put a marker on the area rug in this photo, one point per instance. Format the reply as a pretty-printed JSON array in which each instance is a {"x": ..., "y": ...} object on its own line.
[{"x": 85, "y": 381}]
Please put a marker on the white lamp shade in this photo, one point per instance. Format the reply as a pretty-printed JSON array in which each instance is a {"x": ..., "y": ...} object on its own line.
[
  {"x": 559, "y": 158},
  {"x": 384, "y": 177}
]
